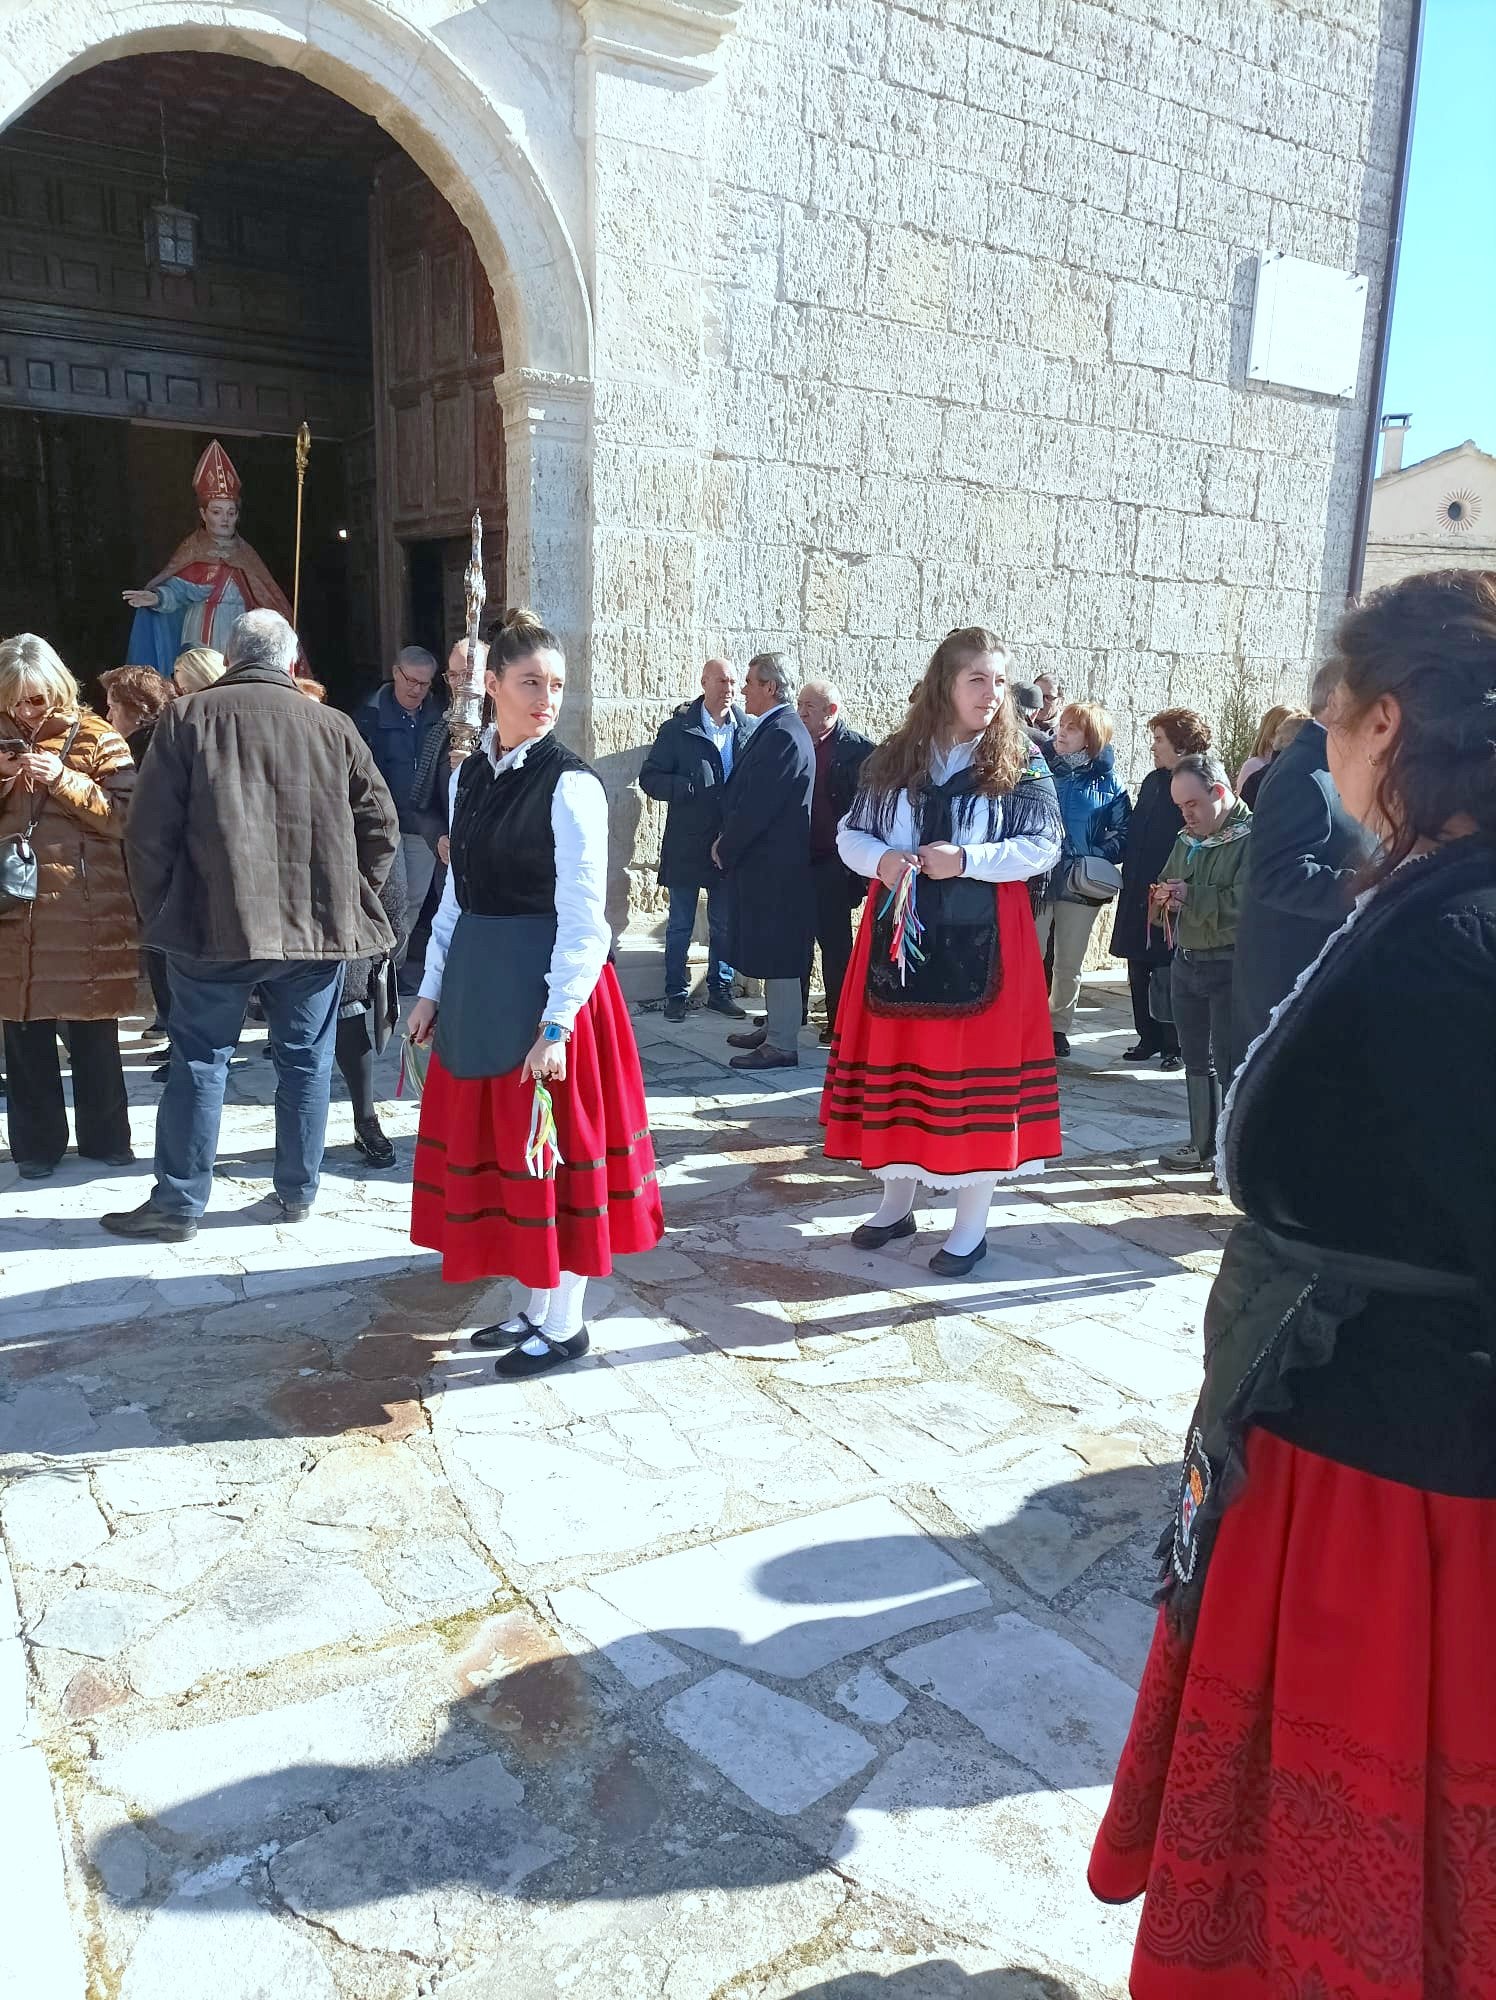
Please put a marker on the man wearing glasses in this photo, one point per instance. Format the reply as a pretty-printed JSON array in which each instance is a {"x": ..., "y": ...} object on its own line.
[{"x": 395, "y": 722}]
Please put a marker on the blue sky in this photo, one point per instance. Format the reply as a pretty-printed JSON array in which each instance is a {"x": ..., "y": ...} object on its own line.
[{"x": 1442, "y": 364}]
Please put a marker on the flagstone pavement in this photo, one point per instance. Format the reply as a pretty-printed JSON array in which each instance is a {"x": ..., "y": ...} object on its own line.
[{"x": 784, "y": 1647}]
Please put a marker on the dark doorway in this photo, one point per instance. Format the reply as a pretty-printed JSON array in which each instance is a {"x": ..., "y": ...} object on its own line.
[
  {"x": 87, "y": 502},
  {"x": 426, "y": 625},
  {"x": 371, "y": 320}
]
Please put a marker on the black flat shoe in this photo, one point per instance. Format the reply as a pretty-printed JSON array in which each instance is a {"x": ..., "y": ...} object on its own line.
[
  {"x": 763, "y": 1057},
  {"x": 723, "y": 1003},
  {"x": 368, "y": 1136},
  {"x": 675, "y": 1010},
  {"x": 517, "y": 1362},
  {"x": 505, "y": 1333},
  {"x": 1172, "y": 1061},
  {"x": 34, "y": 1170},
  {"x": 1139, "y": 1052},
  {"x": 873, "y": 1235},
  {"x": 150, "y": 1224},
  {"x": 109, "y": 1159},
  {"x": 1061, "y": 1045},
  {"x": 944, "y": 1265},
  {"x": 292, "y": 1211}
]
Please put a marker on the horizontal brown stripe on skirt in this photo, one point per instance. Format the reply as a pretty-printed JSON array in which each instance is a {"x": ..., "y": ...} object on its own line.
[
  {"x": 984, "y": 1095},
  {"x": 941, "y": 1075},
  {"x": 498, "y": 1212},
  {"x": 1039, "y": 1116},
  {"x": 854, "y": 1104}
]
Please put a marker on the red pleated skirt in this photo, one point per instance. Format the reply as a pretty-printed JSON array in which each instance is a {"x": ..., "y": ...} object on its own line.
[
  {"x": 1307, "y": 1798},
  {"x": 476, "y": 1201},
  {"x": 953, "y": 1095}
]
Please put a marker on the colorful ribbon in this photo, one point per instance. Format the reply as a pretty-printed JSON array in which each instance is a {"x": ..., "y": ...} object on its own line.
[
  {"x": 542, "y": 1151},
  {"x": 904, "y": 945}
]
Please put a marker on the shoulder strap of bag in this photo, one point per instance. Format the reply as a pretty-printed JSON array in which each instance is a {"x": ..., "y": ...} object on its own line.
[{"x": 41, "y": 804}]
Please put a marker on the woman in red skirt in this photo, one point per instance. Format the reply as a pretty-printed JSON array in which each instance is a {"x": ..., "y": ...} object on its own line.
[
  {"x": 942, "y": 1059},
  {"x": 523, "y": 1006},
  {"x": 1307, "y": 1798}
]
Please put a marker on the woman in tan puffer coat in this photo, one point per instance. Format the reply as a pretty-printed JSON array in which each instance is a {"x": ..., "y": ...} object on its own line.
[{"x": 70, "y": 958}]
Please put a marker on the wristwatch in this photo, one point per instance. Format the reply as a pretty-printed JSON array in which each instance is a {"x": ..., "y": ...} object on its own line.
[{"x": 552, "y": 1031}]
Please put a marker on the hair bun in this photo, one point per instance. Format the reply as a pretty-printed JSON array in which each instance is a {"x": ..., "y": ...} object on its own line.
[{"x": 521, "y": 619}]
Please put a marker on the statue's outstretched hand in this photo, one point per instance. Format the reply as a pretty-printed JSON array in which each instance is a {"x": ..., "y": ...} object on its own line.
[{"x": 142, "y": 600}]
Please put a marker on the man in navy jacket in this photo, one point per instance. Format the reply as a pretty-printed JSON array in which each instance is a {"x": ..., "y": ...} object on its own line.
[
  {"x": 764, "y": 851},
  {"x": 688, "y": 768},
  {"x": 1304, "y": 854}
]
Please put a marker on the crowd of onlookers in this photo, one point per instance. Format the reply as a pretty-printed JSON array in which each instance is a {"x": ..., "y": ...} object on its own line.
[
  {"x": 1215, "y": 911},
  {"x": 1221, "y": 885}
]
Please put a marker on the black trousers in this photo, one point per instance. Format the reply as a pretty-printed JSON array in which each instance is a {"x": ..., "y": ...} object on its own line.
[
  {"x": 1160, "y": 1036},
  {"x": 36, "y": 1113},
  {"x": 834, "y": 908},
  {"x": 353, "y": 1048},
  {"x": 1201, "y": 990},
  {"x": 155, "y": 970}
]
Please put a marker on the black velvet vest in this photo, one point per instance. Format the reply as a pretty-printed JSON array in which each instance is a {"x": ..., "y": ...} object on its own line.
[{"x": 503, "y": 849}]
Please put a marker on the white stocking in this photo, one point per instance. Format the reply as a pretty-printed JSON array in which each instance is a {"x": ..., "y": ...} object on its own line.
[
  {"x": 563, "y": 1318},
  {"x": 970, "y": 1225},
  {"x": 537, "y": 1306},
  {"x": 898, "y": 1200}
]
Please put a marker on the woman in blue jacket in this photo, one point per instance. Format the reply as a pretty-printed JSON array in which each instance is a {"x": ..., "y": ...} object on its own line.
[{"x": 1095, "y": 809}]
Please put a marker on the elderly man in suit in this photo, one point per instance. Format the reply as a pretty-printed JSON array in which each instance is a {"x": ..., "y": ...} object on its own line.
[
  {"x": 764, "y": 851},
  {"x": 1303, "y": 857},
  {"x": 687, "y": 769}
]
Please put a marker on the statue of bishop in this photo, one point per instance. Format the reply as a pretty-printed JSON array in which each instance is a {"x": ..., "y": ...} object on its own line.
[{"x": 213, "y": 577}]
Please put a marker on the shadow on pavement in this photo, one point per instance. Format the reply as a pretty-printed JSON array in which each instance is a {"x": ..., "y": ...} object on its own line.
[
  {"x": 546, "y": 1777},
  {"x": 941, "y": 1979}
]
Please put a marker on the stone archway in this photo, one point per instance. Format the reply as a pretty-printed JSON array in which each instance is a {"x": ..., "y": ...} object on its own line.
[{"x": 435, "y": 108}]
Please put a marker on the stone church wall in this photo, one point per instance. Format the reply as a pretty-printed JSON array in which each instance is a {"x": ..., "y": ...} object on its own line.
[{"x": 937, "y": 313}]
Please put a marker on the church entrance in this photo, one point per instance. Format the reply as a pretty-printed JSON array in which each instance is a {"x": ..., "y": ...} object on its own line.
[{"x": 319, "y": 276}]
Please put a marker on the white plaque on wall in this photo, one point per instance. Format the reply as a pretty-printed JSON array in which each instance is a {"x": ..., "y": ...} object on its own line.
[{"x": 1306, "y": 325}]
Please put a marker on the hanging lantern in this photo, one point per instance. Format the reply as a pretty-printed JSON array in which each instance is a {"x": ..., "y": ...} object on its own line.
[{"x": 170, "y": 232}]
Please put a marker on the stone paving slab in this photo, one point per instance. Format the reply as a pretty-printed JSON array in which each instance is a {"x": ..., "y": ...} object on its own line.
[{"x": 780, "y": 1650}]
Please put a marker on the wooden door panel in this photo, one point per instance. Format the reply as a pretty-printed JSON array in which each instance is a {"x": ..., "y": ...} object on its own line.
[
  {"x": 451, "y": 327},
  {"x": 452, "y": 441},
  {"x": 411, "y": 458}
]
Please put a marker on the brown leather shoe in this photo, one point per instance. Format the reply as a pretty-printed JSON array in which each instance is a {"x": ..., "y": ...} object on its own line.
[{"x": 750, "y": 1038}]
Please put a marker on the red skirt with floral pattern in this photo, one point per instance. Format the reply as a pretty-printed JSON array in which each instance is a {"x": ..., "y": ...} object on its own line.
[
  {"x": 1307, "y": 1798},
  {"x": 476, "y": 1201}
]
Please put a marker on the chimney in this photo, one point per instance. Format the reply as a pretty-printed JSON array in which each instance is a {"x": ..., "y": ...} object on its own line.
[{"x": 1394, "y": 430}]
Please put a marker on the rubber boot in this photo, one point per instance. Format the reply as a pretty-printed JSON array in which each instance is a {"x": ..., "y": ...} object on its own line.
[
  {"x": 1198, "y": 1153},
  {"x": 1204, "y": 1093}
]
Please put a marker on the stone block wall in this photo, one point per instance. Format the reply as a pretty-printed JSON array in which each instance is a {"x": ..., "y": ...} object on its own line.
[{"x": 936, "y": 313}]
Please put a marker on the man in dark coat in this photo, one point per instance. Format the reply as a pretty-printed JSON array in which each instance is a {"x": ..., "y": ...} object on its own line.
[
  {"x": 259, "y": 838},
  {"x": 840, "y": 756},
  {"x": 1304, "y": 855},
  {"x": 396, "y": 722},
  {"x": 764, "y": 851},
  {"x": 1151, "y": 833},
  {"x": 687, "y": 769}
]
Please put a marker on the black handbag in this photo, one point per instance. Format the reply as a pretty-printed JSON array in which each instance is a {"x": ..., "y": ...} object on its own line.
[{"x": 18, "y": 870}]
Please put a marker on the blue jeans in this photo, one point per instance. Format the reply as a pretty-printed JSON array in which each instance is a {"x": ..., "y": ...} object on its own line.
[
  {"x": 678, "y": 928},
  {"x": 208, "y": 1000}
]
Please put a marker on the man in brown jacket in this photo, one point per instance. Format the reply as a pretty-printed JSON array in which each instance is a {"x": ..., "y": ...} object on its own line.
[{"x": 258, "y": 841}]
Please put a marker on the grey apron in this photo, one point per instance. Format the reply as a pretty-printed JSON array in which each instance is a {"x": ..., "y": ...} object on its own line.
[{"x": 493, "y": 993}]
